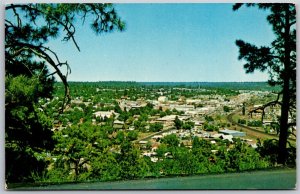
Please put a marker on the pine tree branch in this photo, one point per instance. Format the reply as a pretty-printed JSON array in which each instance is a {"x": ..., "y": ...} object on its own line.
[
  {"x": 292, "y": 23},
  {"x": 70, "y": 33},
  {"x": 272, "y": 103},
  {"x": 38, "y": 50},
  {"x": 18, "y": 17}
]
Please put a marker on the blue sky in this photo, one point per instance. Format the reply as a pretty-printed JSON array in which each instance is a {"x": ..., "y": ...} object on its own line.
[{"x": 168, "y": 42}]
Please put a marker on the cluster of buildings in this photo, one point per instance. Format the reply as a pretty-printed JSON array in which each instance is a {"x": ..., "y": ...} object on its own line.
[
  {"x": 185, "y": 138},
  {"x": 191, "y": 109}
]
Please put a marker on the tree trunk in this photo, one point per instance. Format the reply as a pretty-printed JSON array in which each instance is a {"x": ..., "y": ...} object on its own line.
[
  {"x": 282, "y": 154},
  {"x": 283, "y": 135}
]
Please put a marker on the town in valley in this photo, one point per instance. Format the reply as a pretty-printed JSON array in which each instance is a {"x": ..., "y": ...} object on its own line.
[{"x": 154, "y": 118}]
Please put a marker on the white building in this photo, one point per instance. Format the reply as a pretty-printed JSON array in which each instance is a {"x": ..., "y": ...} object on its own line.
[
  {"x": 162, "y": 99},
  {"x": 104, "y": 114}
]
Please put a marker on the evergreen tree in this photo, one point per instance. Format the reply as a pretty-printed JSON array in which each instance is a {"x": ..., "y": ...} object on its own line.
[
  {"x": 28, "y": 78},
  {"x": 178, "y": 123},
  {"x": 279, "y": 59}
]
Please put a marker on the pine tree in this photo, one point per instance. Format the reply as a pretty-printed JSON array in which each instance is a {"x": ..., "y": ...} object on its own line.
[
  {"x": 28, "y": 79},
  {"x": 279, "y": 59}
]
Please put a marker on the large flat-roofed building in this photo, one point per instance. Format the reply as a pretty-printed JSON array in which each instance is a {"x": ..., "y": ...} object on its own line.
[{"x": 233, "y": 133}]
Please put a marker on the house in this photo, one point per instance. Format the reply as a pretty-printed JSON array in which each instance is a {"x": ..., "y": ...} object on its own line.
[
  {"x": 184, "y": 117},
  {"x": 228, "y": 137},
  {"x": 103, "y": 114},
  {"x": 167, "y": 119},
  {"x": 143, "y": 142},
  {"x": 153, "y": 159},
  {"x": 131, "y": 128},
  {"x": 216, "y": 136},
  {"x": 118, "y": 124},
  {"x": 162, "y": 99},
  {"x": 268, "y": 122}
]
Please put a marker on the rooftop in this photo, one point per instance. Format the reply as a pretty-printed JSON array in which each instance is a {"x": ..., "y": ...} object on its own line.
[{"x": 232, "y": 132}]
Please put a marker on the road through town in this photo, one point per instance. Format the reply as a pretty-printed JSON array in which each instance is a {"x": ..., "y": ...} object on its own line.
[{"x": 265, "y": 179}]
